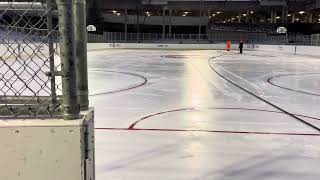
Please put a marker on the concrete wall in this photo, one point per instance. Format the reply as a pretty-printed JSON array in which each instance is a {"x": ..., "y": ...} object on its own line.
[{"x": 51, "y": 149}]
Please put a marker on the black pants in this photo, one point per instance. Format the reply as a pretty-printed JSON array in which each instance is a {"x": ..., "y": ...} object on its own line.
[{"x": 241, "y": 50}]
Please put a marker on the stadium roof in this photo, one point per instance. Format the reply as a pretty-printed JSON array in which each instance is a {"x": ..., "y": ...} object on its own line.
[{"x": 213, "y": 4}]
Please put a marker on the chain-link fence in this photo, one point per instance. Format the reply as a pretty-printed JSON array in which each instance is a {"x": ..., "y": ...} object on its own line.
[
  {"x": 257, "y": 38},
  {"x": 27, "y": 54},
  {"x": 37, "y": 59}
]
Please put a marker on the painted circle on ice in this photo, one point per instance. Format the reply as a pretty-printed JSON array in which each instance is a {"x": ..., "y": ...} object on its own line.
[
  {"x": 176, "y": 56},
  {"x": 210, "y": 118},
  {"x": 306, "y": 83},
  {"x": 114, "y": 82}
]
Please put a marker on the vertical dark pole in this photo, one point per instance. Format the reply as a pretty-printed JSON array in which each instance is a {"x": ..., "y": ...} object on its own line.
[
  {"x": 283, "y": 15},
  {"x": 247, "y": 16},
  {"x": 170, "y": 22},
  {"x": 310, "y": 17},
  {"x": 208, "y": 22},
  {"x": 138, "y": 24},
  {"x": 81, "y": 52},
  {"x": 200, "y": 18},
  {"x": 125, "y": 24},
  {"x": 275, "y": 16},
  {"x": 68, "y": 60},
  {"x": 51, "y": 52},
  {"x": 293, "y": 18},
  {"x": 163, "y": 24}
]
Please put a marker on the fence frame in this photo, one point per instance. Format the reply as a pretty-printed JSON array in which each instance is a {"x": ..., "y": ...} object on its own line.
[
  {"x": 73, "y": 55},
  {"x": 256, "y": 38}
]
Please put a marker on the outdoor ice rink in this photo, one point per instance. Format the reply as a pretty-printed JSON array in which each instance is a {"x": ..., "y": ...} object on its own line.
[{"x": 167, "y": 114}]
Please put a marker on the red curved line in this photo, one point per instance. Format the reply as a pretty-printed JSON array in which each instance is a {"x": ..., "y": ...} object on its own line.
[
  {"x": 145, "y": 80},
  {"x": 261, "y": 98},
  {"x": 210, "y": 131},
  {"x": 164, "y": 112},
  {"x": 132, "y": 126},
  {"x": 270, "y": 81}
]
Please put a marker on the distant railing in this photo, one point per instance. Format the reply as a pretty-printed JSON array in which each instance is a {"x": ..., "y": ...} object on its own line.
[
  {"x": 315, "y": 40},
  {"x": 257, "y": 38}
]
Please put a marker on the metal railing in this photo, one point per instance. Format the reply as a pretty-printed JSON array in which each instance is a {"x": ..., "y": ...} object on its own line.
[
  {"x": 315, "y": 40},
  {"x": 257, "y": 38},
  {"x": 38, "y": 75}
]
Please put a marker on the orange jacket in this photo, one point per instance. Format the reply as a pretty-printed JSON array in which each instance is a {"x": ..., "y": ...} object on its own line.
[{"x": 228, "y": 45}]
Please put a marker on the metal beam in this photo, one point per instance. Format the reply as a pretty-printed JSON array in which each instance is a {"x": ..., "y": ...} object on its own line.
[
  {"x": 22, "y": 6},
  {"x": 70, "y": 104},
  {"x": 81, "y": 53}
]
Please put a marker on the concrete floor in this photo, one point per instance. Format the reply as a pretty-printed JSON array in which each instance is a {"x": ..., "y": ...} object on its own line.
[{"x": 169, "y": 115}]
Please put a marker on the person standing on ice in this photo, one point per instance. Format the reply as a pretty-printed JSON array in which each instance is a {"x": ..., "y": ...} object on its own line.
[
  {"x": 241, "y": 46},
  {"x": 228, "y": 45}
]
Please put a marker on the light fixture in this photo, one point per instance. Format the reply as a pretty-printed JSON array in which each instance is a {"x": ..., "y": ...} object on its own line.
[
  {"x": 289, "y": 15},
  {"x": 251, "y": 12},
  {"x": 186, "y": 12},
  {"x": 297, "y": 19},
  {"x": 244, "y": 14},
  {"x": 114, "y": 12},
  {"x": 118, "y": 14},
  {"x": 213, "y": 15},
  {"x": 278, "y": 17},
  {"x": 302, "y": 12},
  {"x": 218, "y": 12}
]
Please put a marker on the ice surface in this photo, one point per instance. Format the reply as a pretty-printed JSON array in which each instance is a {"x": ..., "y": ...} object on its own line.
[{"x": 186, "y": 122}]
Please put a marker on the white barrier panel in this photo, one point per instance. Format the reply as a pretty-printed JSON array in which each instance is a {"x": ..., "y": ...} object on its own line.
[
  {"x": 300, "y": 50},
  {"x": 101, "y": 46},
  {"x": 51, "y": 149},
  {"x": 308, "y": 50},
  {"x": 275, "y": 48},
  {"x": 25, "y": 51}
]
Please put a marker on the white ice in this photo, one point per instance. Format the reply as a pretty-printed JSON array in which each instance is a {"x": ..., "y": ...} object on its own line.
[{"x": 192, "y": 124}]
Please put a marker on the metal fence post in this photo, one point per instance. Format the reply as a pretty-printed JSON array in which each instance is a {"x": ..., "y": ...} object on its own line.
[
  {"x": 68, "y": 61},
  {"x": 81, "y": 52},
  {"x": 51, "y": 52}
]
